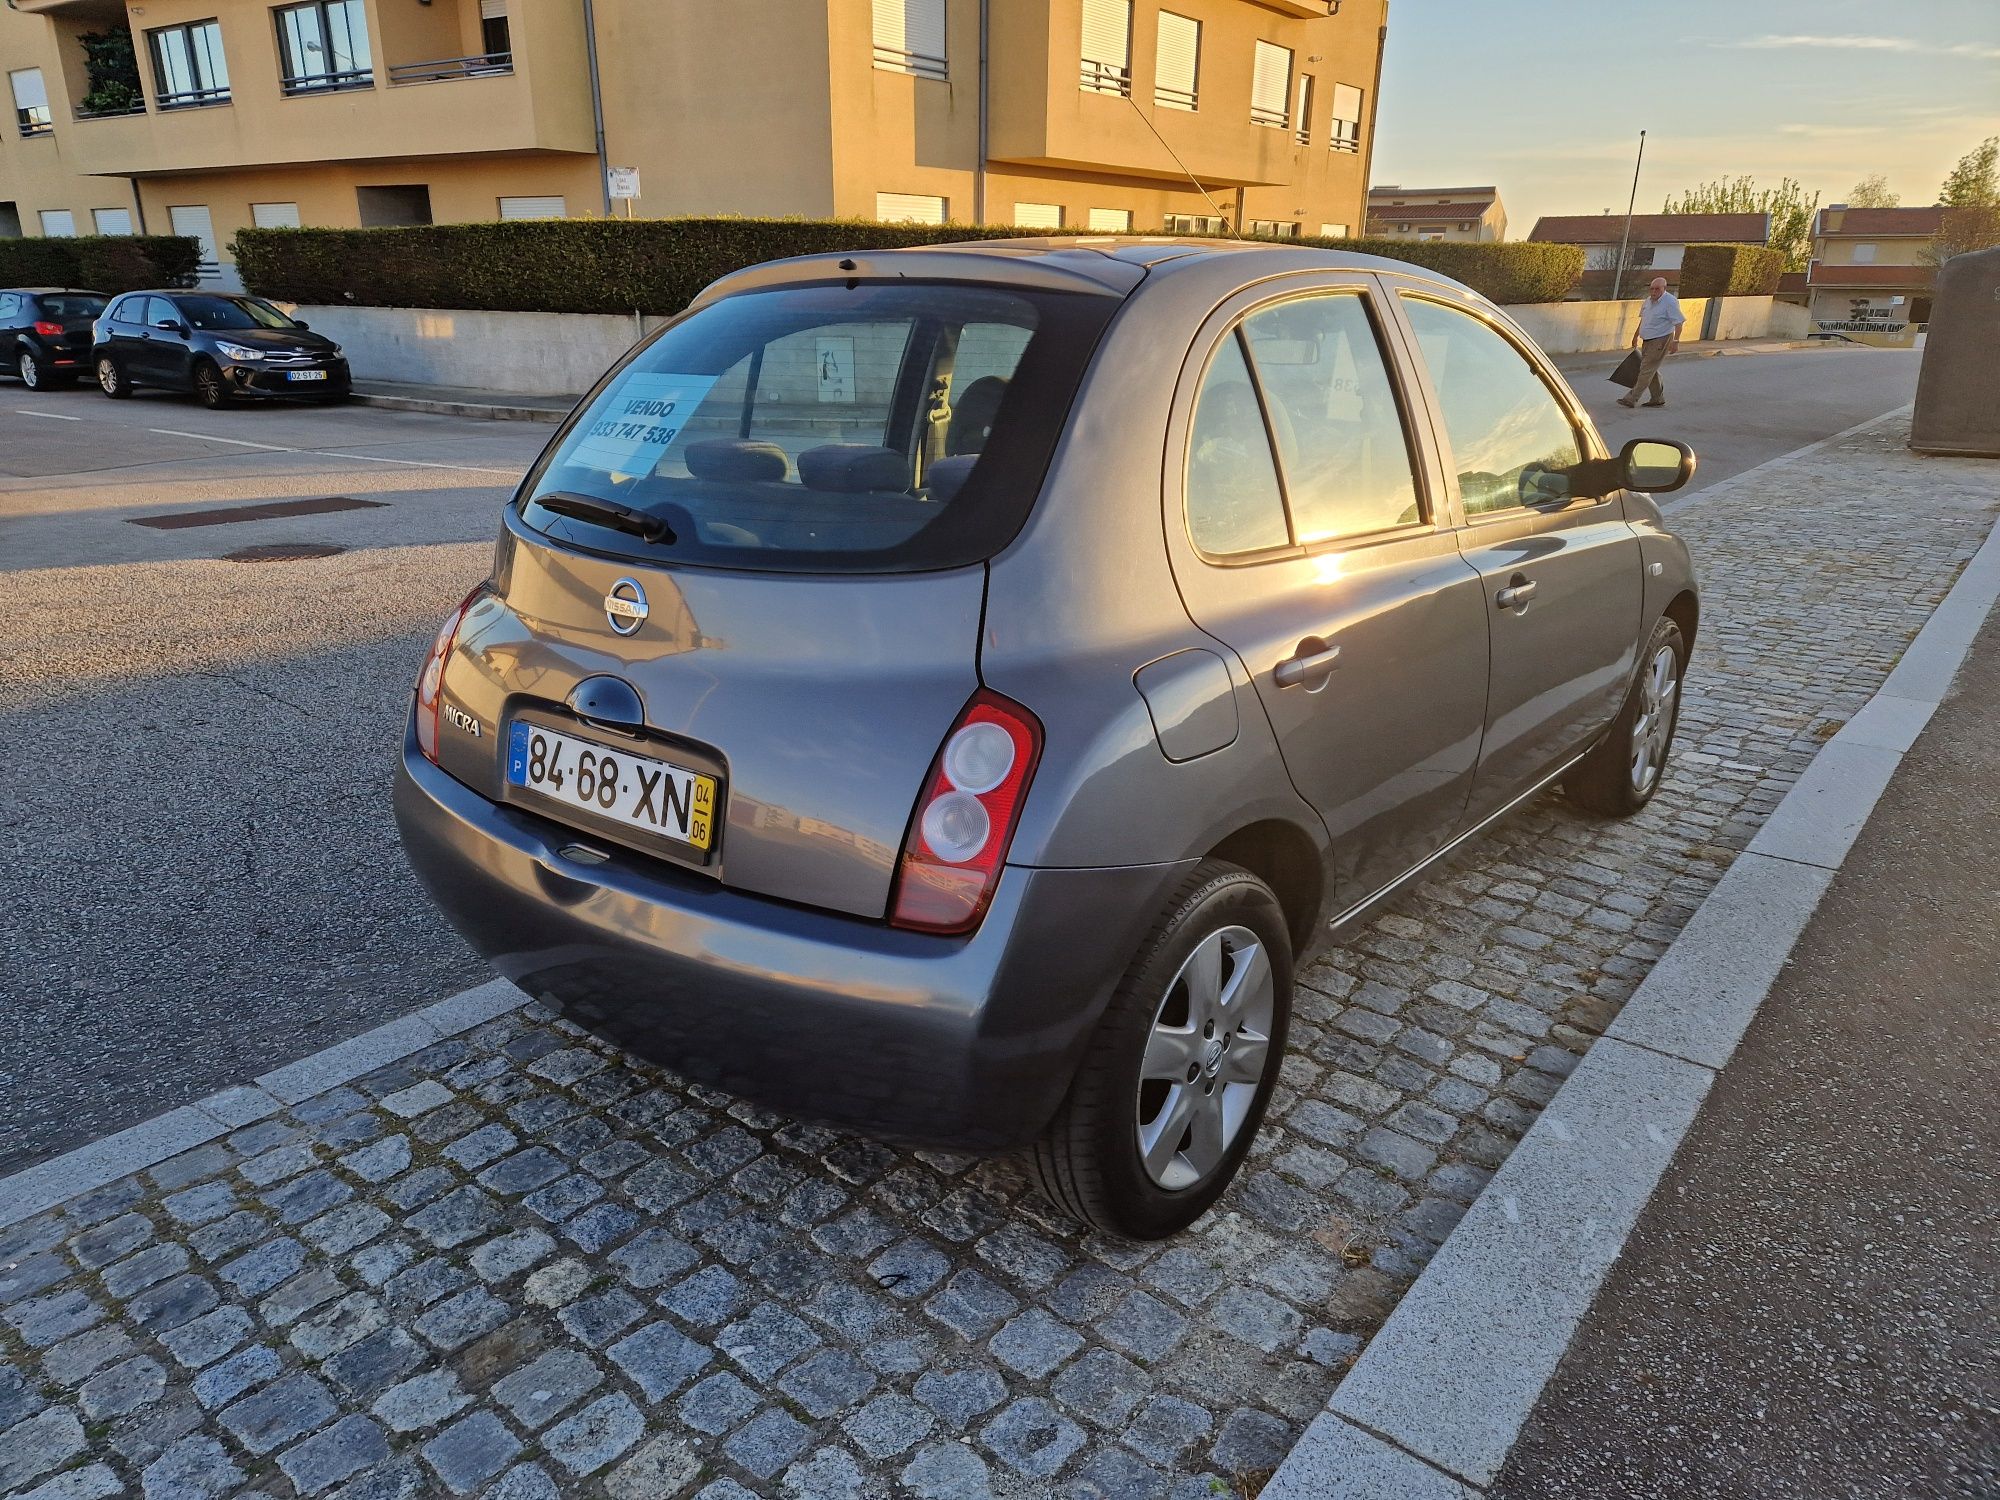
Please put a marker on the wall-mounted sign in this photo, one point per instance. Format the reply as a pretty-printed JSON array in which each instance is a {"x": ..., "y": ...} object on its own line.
[{"x": 623, "y": 181}]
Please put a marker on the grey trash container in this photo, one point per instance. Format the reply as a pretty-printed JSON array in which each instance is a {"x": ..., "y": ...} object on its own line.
[{"x": 1958, "y": 390}]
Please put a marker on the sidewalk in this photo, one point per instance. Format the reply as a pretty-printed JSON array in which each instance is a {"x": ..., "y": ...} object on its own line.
[
  {"x": 463, "y": 401},
  {"x": 1808, "y": 1308}
]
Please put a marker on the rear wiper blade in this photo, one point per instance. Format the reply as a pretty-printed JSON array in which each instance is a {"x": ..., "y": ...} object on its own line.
[{"x": 608, "y": 513}]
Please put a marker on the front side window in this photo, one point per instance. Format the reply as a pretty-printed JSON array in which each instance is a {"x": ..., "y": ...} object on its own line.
[
  {"x": 1234, "y": 505},
  {"x": 324, "y": 45},
  {"x": 1512, "y": 441},
  {"x": 909, "y": 37},
  {"x": 865, "y": 428},
  {"x": 31, "y": 102},
  {"x": 220, "y": 313},
  {"x": 1334, "y": 416},
  {"x": 188, "y": 65},
  {"x": 1346, "y": 132}
]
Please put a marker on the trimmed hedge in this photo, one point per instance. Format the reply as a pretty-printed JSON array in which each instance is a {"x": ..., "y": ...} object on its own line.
[
  {"x": 101, "y": 262},
  {"x": 1730, "y": 270},
  {"x": 658, "y": 265}
]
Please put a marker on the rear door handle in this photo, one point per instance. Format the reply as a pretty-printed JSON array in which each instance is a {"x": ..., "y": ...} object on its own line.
[
  {"x": 1315, "y": 659},
  {"x": 1516, "y": 595}
]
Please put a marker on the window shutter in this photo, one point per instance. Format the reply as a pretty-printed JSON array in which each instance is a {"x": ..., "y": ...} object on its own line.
[
  {"x": 909, "y": 36},
  {"x": 58, "y": 223},
  {"x": 492, "y": 10},
  {"x": 909, "y": 208},
  {"x": 275, "y": 215},
  {"x": 1112, "y": 220},
  {"x": 1177, "y": 61},
  {"x": 1107, "y": 38},
  {"x": 29, "y": 90},
  {"x": 1038, "y": 215},
  {"x": 113, "y": 220},
  {"x": 193, "y": 220},
  {"x": 534, "y": 208},
  {"x": 1270, "y": 83}
]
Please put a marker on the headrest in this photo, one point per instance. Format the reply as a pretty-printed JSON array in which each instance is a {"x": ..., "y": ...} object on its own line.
[
  {"x": 853, "y": 469},
  {"x": 947, "y": 476},
  {"x": 734, "y": 458},
  {"x": 972, "y": 415}
]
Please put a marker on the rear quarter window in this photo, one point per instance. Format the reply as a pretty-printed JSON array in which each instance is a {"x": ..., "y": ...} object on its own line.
[{"x": 843, "y": 428}]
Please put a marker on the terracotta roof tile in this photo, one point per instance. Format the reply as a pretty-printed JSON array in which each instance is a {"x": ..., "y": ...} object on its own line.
[
  {"x": 1654, "y": 229},
  {"x": 1893, "y": 222}
]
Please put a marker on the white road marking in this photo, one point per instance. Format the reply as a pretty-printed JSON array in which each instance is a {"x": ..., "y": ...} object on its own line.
[
  {"x": 209, "y": 437},
  {"x": 413, "y": 463},
  {"x": 53, "y": 416}
]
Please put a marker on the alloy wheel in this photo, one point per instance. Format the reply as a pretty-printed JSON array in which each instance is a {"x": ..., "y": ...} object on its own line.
[
  {"x": 107, "y": 377},
  {"x": 1205, "y": 1057},
  {"x": 31, "y": 371},
  {"x": 1654, "y": 725}
]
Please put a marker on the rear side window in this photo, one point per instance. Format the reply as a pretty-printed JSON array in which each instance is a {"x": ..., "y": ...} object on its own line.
[
  {"x": 128, "y": 309},
  {"x": 1512, "y": 442},
  {"x": 844, "y": 428},
  {"x": 1234, "y": 504}
]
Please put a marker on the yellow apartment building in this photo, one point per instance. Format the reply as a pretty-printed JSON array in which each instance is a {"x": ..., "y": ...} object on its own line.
[{"x": 1065, "y": 114}]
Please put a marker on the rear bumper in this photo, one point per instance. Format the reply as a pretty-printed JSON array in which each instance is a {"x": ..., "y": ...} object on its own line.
[{"x": 967, "y": 1042}]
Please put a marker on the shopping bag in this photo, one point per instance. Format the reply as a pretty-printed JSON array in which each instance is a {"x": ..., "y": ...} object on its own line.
[{"x": 1627, "y": 373}]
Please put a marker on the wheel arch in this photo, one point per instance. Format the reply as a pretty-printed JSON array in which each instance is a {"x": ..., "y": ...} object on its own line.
[
  {"x": 1284, "y": 856},
  {"x": 1684, "y": 609}
]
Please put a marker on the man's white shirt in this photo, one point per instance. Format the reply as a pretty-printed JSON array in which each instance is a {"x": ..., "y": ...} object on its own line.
[{"x": 1658, "y": 319}]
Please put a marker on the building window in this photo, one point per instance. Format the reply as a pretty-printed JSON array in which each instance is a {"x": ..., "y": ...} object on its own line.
[
  {"x": 324, "y": 45},
  {"x": 1177, "y": 62},
  {"x": 397, "y": 205},
  {"x": 112, "y": 220},
  {"x": 1864, "y": 255},
  {"x": 1110, "y": 220},
  {"x": 1346, "y": 132},
  {"x": 1038, "y": 215},
  {"x": 1196, "y": 224},
  {"x": 1333, "y": 231},
  {"x": 1271, "y": 85},
  {"x": 534, "y": 208},
  {"x": 910, "y": 208},
  {"x": 496, "y": 37},
  {"x": 1303, "y": 114},
  {"x": 58, "y": 223},
  {"x": 1463, "y": 227},
  {"x": 275, "y": 215},
  {"x": 188, "y": 66},
  {"x": 1107, "y": 46},
  {"x": 193, "y": 220},
  {"x": 1281, "y": 229},
  {"x": 909, "y": 37},
  {"x": 31, "y": 102}
]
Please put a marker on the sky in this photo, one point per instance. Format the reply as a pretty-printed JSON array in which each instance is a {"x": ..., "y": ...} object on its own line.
[{"x": 1546, "y": 98}]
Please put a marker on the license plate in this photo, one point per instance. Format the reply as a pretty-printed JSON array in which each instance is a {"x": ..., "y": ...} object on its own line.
[
  {"x": 305, "y": 374},
  {"x": 634, "y": 791}
]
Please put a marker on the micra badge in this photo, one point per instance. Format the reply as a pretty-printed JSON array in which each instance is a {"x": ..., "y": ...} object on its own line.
[{"x": 459, "y": 719}]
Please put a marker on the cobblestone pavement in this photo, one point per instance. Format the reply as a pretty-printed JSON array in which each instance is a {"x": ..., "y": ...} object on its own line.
[{"x": 519, "y": 1265}]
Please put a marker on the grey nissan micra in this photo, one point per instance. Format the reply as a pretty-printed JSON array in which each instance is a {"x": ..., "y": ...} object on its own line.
[{"x": 948, "y": 691}]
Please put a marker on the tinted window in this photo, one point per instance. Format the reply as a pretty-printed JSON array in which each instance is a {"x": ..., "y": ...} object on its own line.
[
  {"x": 9, "y": 304},
  {"x": 73, "y": 305},
  {"x": 829, "y": 428},
  {"x": 1334, "y": 415},
  {"x": 1511, "y": 440},
  {"x": 1233, "y": 502},
  {"x": 128, "y": 309},
  {"x": 159, "y": 310},
  {"x": 232, "y": 312}
]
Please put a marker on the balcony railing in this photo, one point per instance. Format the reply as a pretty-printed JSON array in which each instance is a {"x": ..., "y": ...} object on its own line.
[
  {"x": 1346, "y": 136},
  {"x": 919, "y": 64},
  {"x": 35, "y": 121},
  {"x": 327, "y": 83},
  {"x": 483, "y": 65},
  {"x": 195, "y": 98},
  {"x": 1106, "y": 78},
  {"x": 1263, "y": 114},
  {"x": 116, "y": 111},
  {"x": 1167, "y": 97}
]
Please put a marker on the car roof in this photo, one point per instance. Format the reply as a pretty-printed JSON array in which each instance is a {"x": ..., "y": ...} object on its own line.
[
  {"x": 53, "y": 291},
  {"x": 1094, "y": 263}
]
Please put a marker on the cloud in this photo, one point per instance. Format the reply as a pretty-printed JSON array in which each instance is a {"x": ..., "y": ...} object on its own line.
[{"x": 1869, "y": 44}]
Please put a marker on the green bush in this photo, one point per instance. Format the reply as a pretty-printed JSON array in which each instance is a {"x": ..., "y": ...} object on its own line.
[
  {"x": 658, "y": 265},
  {"x": 100, "y": 262},
  {"x": 1730, "y": 270}
]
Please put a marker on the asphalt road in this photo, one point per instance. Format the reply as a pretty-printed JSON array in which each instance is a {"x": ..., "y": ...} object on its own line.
[
  {"x": 1810, "y": 1307},
  {"x": 198, "y": 869}
]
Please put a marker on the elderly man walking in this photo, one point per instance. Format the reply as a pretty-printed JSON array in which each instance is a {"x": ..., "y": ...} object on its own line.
[{"x": 1658, "y": 335}]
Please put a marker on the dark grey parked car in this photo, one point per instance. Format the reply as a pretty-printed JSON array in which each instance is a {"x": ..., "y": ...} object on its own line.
[{"x": 947, "y": 691}]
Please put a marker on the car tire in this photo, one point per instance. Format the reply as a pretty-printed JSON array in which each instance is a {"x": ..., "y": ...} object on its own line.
[
  {"x": 1623, "y": 772},
  {"x": 34, "y": 371},
  {"x": 1215, "y": 967},
  {"x": 209, "y": 386},
  {"x": 111, "y": 378}
]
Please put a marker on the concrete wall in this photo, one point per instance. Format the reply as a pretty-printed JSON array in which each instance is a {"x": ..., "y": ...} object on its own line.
[
  {"x": 1790, "y": 321},
  {"x": 560, "y": 354}
]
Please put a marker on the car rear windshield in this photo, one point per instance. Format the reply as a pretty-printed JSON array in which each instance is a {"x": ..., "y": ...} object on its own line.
[
  {"x": 857, "y": 427},
  {"x": 231, "y": 312},
  {"x": 71, "y": 305}
]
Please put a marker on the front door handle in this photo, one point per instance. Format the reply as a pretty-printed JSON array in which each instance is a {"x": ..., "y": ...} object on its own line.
[
  {"x": 1313, "y": 664},
  {"x": 1517, "y": 593}
]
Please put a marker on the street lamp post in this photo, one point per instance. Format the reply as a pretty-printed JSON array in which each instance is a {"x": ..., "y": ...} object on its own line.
[{"x": 1618, "y": 273}]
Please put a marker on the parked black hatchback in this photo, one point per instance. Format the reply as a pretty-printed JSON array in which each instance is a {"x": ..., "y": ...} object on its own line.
[
  {"x": 45, "y": 332},
  {"x": 218, "y": 345}
]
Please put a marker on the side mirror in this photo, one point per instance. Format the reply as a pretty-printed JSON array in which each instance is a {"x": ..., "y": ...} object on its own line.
[
  {"x": 300, "y": 323},
  {"x": 1654, "y": 466},
  {"x": 168, "y": 325}
]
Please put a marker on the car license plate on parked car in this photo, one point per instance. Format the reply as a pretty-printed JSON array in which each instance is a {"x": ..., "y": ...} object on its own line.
[
  {"x": 635, "y": 791},
  {"x": 305, "y": 374}
]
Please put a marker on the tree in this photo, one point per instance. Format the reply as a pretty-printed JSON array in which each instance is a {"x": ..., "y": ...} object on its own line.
[
  {"x": 1872, "y": 192},
  {"x": 1975, "y": 181},
  {"x": 113, "y": 71},
  {"x": 1790, "y": 209}
]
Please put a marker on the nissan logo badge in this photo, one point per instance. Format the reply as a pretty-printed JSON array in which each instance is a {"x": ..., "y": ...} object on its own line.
[{"x": 625, "y": 606}]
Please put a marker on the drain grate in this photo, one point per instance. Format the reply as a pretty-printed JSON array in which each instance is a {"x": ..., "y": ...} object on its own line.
[
  {"x": 267, "y": 510},
  {"x": 282, "y": 552}
]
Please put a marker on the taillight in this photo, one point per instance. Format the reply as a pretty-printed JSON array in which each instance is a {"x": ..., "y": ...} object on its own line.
[
  {"x": 49, "y": 330},
  {"x": 965, "y": 819},
  {"x": 430, "y": 685}
]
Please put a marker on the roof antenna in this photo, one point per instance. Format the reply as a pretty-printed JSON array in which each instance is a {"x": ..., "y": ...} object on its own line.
[{"x": 1184, "y": 167}]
